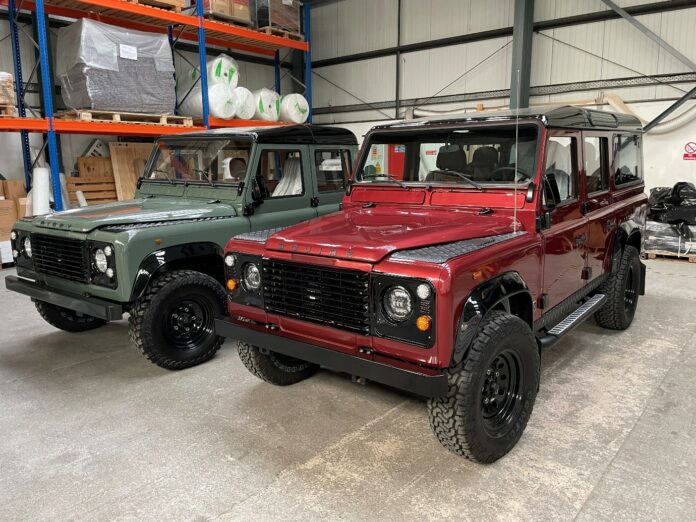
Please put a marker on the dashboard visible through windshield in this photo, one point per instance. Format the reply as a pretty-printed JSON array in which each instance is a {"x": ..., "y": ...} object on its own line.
[
  {"x": 201, "y": 160},
  {"x": 475, "y": 157}
]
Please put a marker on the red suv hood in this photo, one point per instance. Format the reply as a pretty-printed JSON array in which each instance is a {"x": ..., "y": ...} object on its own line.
[{"x": 370, "y": 234}]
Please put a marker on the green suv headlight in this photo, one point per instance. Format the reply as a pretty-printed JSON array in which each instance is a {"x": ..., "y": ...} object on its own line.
[
  {"x": 26, "y": 247},
  {"x": 103, "y": 264},
  {"x": 100, "y": 261}
]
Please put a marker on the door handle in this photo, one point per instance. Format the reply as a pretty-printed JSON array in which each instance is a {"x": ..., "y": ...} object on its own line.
[
  {"x": 314, "y": 201},
  {"x": 582, "y": 238}
]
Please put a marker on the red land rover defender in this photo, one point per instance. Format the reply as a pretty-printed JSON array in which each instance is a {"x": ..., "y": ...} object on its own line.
[{"x": 466, "y": 244}]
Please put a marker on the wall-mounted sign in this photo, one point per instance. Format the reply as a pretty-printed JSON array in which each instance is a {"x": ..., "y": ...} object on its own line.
[{"x": 690, "y": 151}]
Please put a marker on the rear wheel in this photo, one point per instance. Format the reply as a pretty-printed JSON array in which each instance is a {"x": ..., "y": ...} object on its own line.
[
  {"x": 173, "y": 323},
  {"x": 273, "y": 367},
  {"x": 67, "y": 320},
  {"x": 622, "y": 290},
  {"x": 491, "y": 392}
]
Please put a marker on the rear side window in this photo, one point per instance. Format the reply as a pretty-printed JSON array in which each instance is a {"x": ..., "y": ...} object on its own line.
[
  {"x": 627, "y": 166},
  {"x": 596, "y": 151},
  {"x": 333, "y": 169}
]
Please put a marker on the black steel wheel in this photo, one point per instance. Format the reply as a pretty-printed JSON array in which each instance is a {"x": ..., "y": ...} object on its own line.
[
  {"x": 622, "y": 290},
  {"x": 491, "y": 392},
  {"x": 273, "y": 367},
  {"x": 173, "y": 323}
]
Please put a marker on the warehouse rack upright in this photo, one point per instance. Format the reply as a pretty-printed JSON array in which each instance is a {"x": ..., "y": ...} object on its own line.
[{"x": 192, "y": 28}]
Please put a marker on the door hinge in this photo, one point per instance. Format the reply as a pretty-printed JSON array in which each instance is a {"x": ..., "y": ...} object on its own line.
[
  {"x": 543, "y": 301},
  {"x": 587, "y": 273},
  {"x": 314, "y": 201}
]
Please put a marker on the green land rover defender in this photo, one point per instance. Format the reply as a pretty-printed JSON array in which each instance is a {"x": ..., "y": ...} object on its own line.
[{"x": 158, "y": 257}]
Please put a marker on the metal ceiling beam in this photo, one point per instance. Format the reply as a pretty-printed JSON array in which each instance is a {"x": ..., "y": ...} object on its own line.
[
  {"x": 654, "y": 37},
  {"x": 521, "y": 69},
  {"x": 669, "y": 110}
]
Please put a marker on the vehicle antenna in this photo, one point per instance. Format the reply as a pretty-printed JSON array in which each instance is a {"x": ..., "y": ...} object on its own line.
[{"x": 517, "y": 155}]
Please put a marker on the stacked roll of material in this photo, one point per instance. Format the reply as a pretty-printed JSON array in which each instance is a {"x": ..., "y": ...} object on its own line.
[
  {"x": 223, "y": 77},
  {"x": 267, "y": 103},
  {"x": 41, "y": 191},
  {"x": 246, "y": 103},
  {"x": 294, "y": 108},
  {"x": 7, "y": 93}
]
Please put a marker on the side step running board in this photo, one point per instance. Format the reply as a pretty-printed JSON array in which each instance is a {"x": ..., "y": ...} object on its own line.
[{"x": 576, "y": 318}]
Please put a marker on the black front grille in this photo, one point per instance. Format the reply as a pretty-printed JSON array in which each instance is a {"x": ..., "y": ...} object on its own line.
[
  {"x": 333, "y": 297},
  {"x": 61, "y": 257}
]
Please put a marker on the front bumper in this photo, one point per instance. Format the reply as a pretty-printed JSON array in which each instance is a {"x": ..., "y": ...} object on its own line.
[
  {"x": 86, "y": 305},
  {"x": 404, "y": 379}
]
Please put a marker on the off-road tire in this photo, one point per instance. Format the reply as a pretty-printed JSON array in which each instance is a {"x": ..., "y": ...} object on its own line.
[
  {"x": 623, "y": 285},
  {"x": 151, "y": 320},
  {"x": 458, "y": 418},
  {"x": 275, "y": 368},
  {"x": 67, "y": 320}
]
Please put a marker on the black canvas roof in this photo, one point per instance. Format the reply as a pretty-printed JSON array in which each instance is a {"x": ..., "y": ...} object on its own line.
[
  {"x": 565, "y": 116},
  {"x": 298, "y": 134}
]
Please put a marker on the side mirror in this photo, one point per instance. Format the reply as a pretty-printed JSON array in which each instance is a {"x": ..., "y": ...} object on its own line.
[
  {"x": 256, "y": 193},
  {"x": 551, "y": 193}
]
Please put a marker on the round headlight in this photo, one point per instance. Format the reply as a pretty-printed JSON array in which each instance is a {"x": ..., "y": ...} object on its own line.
[
  {"x": 252, "y": 277},
  {"x": 13, "y": 235},
  {"x": 230, "y": 260},
  {"x": 26, "y": 246},
  {"x": 423, "y": 291},
  {"x": 110, "y": 273},
  {"x": 108, "y": 251},
  {"x": 398, "y": 304},
  {"x": 100, "y": 260}
]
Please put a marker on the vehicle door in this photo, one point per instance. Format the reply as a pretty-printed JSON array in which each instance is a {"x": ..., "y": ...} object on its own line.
[
  {"x": 596, "y": 201},
  {"x": 279, "y": 187},
  {"x": 332, "y": 168},
  {"x": 566, "y": 233}
]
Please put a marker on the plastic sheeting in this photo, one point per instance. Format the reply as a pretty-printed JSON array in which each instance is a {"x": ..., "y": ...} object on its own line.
[
  {"x": 294, "y": 108},
  {"x": 675, "y": 239},
  {"x": 246, "y": 103},
  {"x": 102, "y": 67},
  {"x": 267, "y": 103},
  {"x": 222, "y": 102},
  {"x": 223, "y": 76},
  {"x": 222, "y": 69},
  {"x": 673, "y": 205}
]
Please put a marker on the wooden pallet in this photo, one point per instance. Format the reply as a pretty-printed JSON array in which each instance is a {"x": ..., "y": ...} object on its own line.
[
  {"x": 169, "y": 120},
  {"x": 654, "y": 254},
  {"x": 276, "y": 31},
  {"x": 95, "y": 189},
  {"x": 171, "y": 5},
  {"x": 7, "y": 110}
]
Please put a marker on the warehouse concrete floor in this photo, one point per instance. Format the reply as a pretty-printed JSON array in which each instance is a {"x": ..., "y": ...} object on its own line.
[{"x": 89, "y": 430}]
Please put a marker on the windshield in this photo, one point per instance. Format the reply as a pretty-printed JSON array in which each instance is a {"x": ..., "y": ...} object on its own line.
[
  {"x": 201, "y": 160},
  {"x": 473, "y": 157}
]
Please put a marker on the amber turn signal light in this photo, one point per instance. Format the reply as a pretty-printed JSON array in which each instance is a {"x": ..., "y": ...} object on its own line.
[
  {"x": 423, "y": 323},
  {"x": 231, "y": 284}
]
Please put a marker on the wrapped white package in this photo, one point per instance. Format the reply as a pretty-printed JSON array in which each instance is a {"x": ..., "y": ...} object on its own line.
[
  {"x": 40, "y": 191},
  {"x": 267, "y": 103},
  {"x": 221, "y": 69},
  {"x": 247, "y": 103},
  {"x": 81, "y": 200},
  {"x": 221, "y": 101},
  {"x": 294, "y": 108}
]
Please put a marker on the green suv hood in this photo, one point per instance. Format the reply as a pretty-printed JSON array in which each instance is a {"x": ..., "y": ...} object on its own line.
[{"x": 146, "y": 210}]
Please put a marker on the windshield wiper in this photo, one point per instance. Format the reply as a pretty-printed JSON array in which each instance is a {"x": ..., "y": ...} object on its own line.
[
  {"x": 460, "y": 175},
  {"x": 166, "y": 174},
  {"x": 389, "y": 178},
  {"x": 205, "y": 175}
]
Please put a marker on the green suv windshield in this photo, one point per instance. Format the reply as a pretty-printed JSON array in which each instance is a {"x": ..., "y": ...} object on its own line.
[
  {"x": 201, "y": 160},
  {"x": 472, "y": 157}
]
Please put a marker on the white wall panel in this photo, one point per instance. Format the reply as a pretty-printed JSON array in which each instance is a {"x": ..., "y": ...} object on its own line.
[
  {"x": 352, "y": 26},
  {"x": 371, "y": 80},
  {"x": 677, "y": 28}
]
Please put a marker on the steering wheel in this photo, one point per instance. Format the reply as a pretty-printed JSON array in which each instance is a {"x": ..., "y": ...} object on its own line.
[{"x": 513, "y": 168}]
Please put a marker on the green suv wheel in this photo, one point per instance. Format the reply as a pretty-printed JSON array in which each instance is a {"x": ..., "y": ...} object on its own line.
[
  {"x": 67, "y": 320},
  {"x": 172, "y": 324}
]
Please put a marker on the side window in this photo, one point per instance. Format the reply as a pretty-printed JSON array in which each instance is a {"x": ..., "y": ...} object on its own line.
[
  {"x": 596, "y": 150},
  {"x": 280, "y": 173},
  {"x": 626, "y": 164},
  {"x": 561, "y": 165},
  {"x": 333, "y": 169}
]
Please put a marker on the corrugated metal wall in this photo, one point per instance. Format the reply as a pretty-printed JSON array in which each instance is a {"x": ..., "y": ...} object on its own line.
[{"x": 560, "y": 56}]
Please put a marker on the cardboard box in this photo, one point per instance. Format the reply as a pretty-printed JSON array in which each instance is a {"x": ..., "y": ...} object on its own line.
[
  {"x": 13, "y": 188},
  {"x": 6, "y": 252},
  {"x": 241, "y": 10},
  {"x": 21, "y": 204},
  {"x": 278, "y": 14},
  {"x": 8, "y": 217},
  {"x": 223, "y": 7}
]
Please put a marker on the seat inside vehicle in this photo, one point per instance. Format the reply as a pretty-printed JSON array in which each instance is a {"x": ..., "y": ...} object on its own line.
[
  {"x": 449, "y": 157},
  {"x": 291, "y": 181},
  {"x": 484, "y": 161},
  {"x": 558, "y": 164}
]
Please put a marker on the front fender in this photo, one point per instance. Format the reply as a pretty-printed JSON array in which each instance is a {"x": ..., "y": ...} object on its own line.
[
  {"x": 484, "y": 298},
  {"x": 156, "y": 261}
]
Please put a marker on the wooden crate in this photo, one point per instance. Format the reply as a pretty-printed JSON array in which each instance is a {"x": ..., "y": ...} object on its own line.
[
  {"x": 654, "y": 254},
  {"x": 170, "y": 120},
  {"x": 128, "y": 161},
  {"x": 95, "y": 167},
  {"x": 6, "y": 110},
  {"x": 96, "y": 190}
]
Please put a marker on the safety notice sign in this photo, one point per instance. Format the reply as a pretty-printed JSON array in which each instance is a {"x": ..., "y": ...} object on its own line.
[{"x": 690, "y": 151}]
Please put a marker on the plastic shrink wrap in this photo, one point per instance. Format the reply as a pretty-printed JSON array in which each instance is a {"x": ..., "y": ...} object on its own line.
[
  {"x": 102, "y": 67},
  {"x": 267, "y": 103},
  {"x": 294, "y": 108},
  {"x": 246, "y": 103}
]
